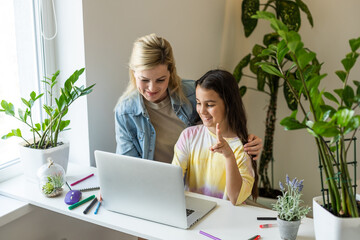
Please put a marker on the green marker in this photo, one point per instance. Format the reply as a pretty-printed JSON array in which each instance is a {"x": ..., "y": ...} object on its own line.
[{"x": 81, "y": 202}]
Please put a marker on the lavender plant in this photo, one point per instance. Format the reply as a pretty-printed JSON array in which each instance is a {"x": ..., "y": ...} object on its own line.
[{"x": 288, "y": 205}]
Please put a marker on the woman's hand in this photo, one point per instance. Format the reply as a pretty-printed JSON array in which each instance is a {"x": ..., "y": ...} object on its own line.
[{"x": 254, "y": 146}]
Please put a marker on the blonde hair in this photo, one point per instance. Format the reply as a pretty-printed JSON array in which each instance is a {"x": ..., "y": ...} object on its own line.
[{"x": 148, "y": 52}]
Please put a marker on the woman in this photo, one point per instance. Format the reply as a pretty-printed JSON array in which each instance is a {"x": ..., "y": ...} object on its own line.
[
  {"x": 157, "y": 104},
  {"x": 212, "y": 155}
]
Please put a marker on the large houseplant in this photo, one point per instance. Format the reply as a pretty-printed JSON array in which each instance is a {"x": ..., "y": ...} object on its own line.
[
  {"x": 288, "y": 11},
  {"x": 45, "y": 134},
  {"x": 330, "y": 124}
]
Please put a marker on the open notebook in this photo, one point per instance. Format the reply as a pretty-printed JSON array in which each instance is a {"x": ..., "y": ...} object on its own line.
[{"x": 91, "y": 183}]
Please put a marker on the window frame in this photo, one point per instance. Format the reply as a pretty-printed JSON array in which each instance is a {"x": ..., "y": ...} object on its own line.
[{"x": 38, "y": 60}]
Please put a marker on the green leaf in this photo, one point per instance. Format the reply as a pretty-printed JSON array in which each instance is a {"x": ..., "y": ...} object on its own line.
[
  {"x": 80, "y": 71},
  {"x": 7, "y": 136},
  {"x": 248, "y": 9},
  {"x": 314, "y": 81},
  {"x": 294, "y": 41},
  {"x": 331, "y": 97},
  {"x": 261, "y": 79},
  {"x": 270, "y": 38},
  {"x": 290, "y": 14},
  {"x": 242, "y": 90},
  {"x": 339, "y": 92},
  {"x": 8, "y": 108},
  {"x": 341, "y": 75},
  {"x": 295, "y": 83},
  {"x": 33, "y": 95},
  {"x": 304, "y": 58},
  {"x": 266, "y": 67},
  {"x": 26, "y": 102},
  {"x": 306, "y": 10},
  {"x": 348, "y": 63},
  {"x": 282, "y": 50},
  {"x": 48, "y": 110},
  {"x": 327, "y": 112},
  {"x": 253, "y": 67},
  {"x": 239, "y": 67},
  {"x": 68, "y": 85},
  {"x": 37, "y": 127},
  {"x": 54, "y": 76},
  {"x": 353, "y": 124},
  {"x": 21, "y": 114},
  {"x": 354, "y": 44},
  {"x": 289, "y": 97},
  {"x": 357, "y": 83},
  {"x": 64, "y": 124},
  {"x": 264, "y": 15},
  {"x": 16, "y": 132},
  {"x": 325, "y": 129},
  {"x": 257, "y": 49},
  {"x": 348, "y": 96},
  {"x": 343, "y": 116},
  {"x": 36, "y": 98},
  {"x": 291, "y": 124}
]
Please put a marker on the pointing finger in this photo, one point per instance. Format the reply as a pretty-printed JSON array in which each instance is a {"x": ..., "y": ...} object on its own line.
[{"x": 218, "y": 133}]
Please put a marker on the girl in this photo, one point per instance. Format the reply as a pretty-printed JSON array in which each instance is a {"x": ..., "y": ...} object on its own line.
[{"x": 212, "y": 155}]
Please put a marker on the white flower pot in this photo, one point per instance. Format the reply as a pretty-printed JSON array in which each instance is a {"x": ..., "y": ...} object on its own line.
[
  {"x": 330, "y": 227},
  {"x": 32, "y": 159}
]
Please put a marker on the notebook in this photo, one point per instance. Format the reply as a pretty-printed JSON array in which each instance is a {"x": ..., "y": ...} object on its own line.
[
  {"x": 148, "y": 189},
  {"x": 89, "y": 184}
]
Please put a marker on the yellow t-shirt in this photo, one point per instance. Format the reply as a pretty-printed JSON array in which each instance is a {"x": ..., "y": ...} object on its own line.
[{"x": 205, "y": 170}]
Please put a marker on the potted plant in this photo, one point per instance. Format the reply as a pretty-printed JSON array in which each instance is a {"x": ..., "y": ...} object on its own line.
[
  {"x": 289, "y": 13},
  {"x": 289, "y": 209},
  {"x": 45, "y": 141},
  {"x": 330, "y": 124}
]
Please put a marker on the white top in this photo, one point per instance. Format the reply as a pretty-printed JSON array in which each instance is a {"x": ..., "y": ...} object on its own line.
[{"x": 225, "y": 221}]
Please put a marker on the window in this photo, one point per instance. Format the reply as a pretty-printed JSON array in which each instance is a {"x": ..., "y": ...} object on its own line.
[
  {"x": 21, "y": 67},
  {"x": 9, "y": 78}
]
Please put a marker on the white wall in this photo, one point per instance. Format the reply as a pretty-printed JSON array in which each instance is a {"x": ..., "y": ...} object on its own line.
[
  {"x": 335, "y": 22},
  {"x": 194, "y": 29},
  {"x": 70, "y": 56}
]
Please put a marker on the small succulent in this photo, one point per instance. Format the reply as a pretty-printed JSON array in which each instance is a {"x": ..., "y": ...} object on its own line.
[
  {"x": 53, "y": 185},
  {"x": 288, "y": 205}
]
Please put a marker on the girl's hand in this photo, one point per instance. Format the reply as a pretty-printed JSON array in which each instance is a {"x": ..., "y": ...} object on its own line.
[
  {"x": 221, "y": 146},
  {"x": 99, "y": 196}
]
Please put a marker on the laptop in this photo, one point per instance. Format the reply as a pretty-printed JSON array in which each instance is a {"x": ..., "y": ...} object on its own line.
[{"x": 147, "y": 189}]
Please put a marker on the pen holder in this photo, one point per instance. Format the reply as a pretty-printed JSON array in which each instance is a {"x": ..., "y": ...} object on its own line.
[{"x": 51, "y": 178}]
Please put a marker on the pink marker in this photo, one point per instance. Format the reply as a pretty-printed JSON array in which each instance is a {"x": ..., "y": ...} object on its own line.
[
  {"x": 266, "y": 225},
  {"x": 81, "y": 180}
]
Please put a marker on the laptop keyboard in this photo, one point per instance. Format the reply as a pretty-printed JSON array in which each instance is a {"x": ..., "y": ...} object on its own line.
[{"x": 188, "y": 212}]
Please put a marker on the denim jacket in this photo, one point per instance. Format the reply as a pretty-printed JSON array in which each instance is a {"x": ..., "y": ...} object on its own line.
[{"x": 135, "y": 135}]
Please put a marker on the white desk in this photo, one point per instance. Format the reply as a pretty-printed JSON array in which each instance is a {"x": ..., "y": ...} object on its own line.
[{"x": 225, "y": 221}]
